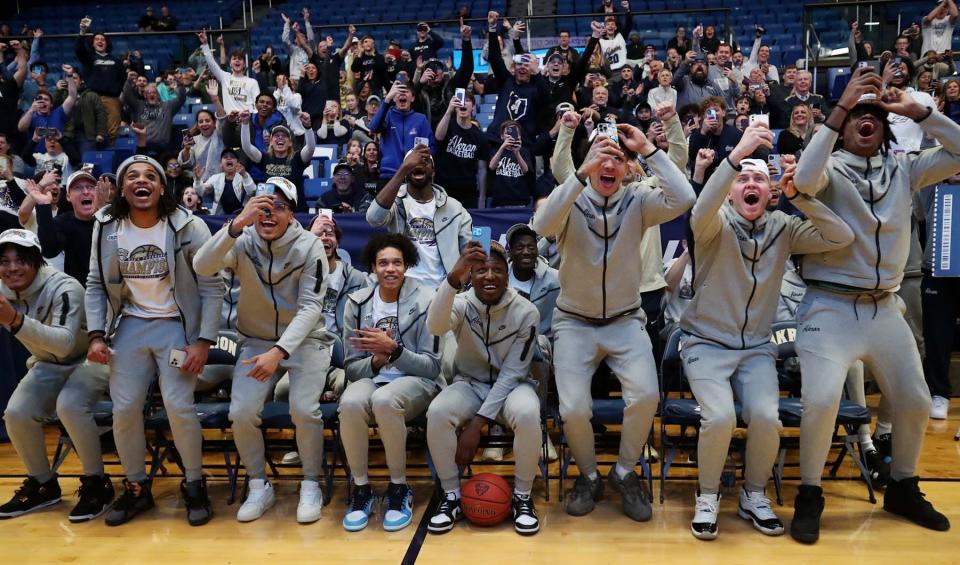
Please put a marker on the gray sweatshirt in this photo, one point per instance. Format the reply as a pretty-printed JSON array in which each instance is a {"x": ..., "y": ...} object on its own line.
[
  {"x": 602, "y": 268},
  {"x": 198, "y": 297},
  {"x": 495, "y": 344},
  {"x": 282, "y": 282},
  {"x": 421, "y": 351},
  {"x": 740, "y": 263},
  {"x": 873, "y": 195},
  {"x": 52, "y": 308},
  {"x": 544, "y": 292},
  {"x": 353, "y": 280},
  {"x": 452, "y": 223}
]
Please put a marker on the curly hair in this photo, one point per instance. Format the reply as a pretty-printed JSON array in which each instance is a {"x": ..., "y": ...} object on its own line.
[{"x": 381, "y": 241}]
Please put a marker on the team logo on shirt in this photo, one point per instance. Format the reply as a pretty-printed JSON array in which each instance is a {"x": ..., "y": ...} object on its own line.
[
  {"x": 517, "y": 106},
  {"x": 390, "y": 323},
  {"x": 508, "y": 167},
  {"x": 420, "y": 230},
  {"x": 330, "y": 301},
  {"x": 459, "y": 148},
  {"x": 144, "y": 262}
]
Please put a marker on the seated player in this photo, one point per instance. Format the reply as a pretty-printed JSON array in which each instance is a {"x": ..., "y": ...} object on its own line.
[
  {"x": 496, "y": 333},
  {"x": 282, "y": 271},
  {"x": 739, "y": 251},
  {"x": 393, "y": 372},
  {"x": 43, "y": 308}
]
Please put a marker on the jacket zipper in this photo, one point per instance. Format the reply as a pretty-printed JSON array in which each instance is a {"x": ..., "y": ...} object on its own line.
[
  {"x": 276, "y": 310},
  {"x": 606, "y": 248},
  {"x": 753, "y": 290},
  {"x": 173, "y": 286},
  {"x": 876, "y": 234},
  {"x": 486, "y": 345}
]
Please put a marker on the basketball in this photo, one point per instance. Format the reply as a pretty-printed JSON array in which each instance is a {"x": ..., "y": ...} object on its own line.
[{"x": 485, "y": 499}]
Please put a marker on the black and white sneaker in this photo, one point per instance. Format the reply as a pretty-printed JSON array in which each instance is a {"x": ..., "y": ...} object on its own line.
[
  {"x": 32, "y": 495},
  {"x": 525, "y": 520},
  {"x": 447, "y": 515},
  {"x": 704, "y": 524},
  {"x": 878, "y": 468},
  {"x": 136, "y": 498},
  {"x": 755, "y": 506},
  {"x": 96, "y": 495}
]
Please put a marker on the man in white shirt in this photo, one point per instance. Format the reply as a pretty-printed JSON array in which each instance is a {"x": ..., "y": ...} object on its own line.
[
  {"x": 938, "y": 27},
  {"x": 239, "y": 91},
  {"x": 612, "y": 43}
]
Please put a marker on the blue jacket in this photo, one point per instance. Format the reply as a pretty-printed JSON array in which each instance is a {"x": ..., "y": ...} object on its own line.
[{"x": 397, "y": 132}]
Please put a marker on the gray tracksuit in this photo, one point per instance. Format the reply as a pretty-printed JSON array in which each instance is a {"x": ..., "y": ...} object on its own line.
[
  {"x": 57, "y": 380},
  {"x": 738, "y": 272},
  {"x": 850, "y": 311},
  {"x": 599, "y": 314},
  {"x": 792, "y": 289},
  {"x": 393, "y": 404},
  {"x": 282, "y": 284},
  {"x": 543, "y": 294},
  {"x": 452, "y": 223},
  {"x": 353, "y": 280},
  {"x": 142, "y": 347},
  {"x": 495, "y": 345}
]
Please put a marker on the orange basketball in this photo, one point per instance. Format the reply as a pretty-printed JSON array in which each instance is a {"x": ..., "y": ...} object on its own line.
[{"x": 486, "y": 499}]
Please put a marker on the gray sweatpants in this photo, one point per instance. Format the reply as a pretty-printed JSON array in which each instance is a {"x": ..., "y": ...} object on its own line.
[
  {"x": 716, "y": 375},
  {"x": 141, "y": 352},
  {"x": 911, "y": 294},
  {"x": 834, "y": 331},
  {"x": 578, "y": 349},
  {"x": 457, "y": 404},
  {"x": 335, "y": 382},
  {"x": 70, "y": 391},
  {"x": 307, "y": 367},
  {"x": 390, "y": 406}
]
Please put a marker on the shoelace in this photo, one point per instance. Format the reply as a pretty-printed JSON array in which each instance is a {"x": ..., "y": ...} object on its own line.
[
  {"x": 358, "y": 500},
  {"x": 87, "y": 486},
  {"x": 129, "y": 497},
  {"x": 705, "y": 504},
  {"x": 446, "y": 506},
  {"x": 524, "y": 505},
  {"x": 759, "y": 501},
  {"x": 395, "y": 496},
  {"x": 27, "y": 488}
]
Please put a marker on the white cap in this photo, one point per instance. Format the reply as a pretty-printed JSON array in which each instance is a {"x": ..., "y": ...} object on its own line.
[
  {"x": 79, "y": 174},
  {"x": 23, "y": 238},
  {"x": 755, "y": 165},
  {"x": 288, "y": 188}
]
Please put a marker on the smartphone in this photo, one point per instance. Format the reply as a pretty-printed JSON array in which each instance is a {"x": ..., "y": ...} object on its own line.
[
  {"x": 518, "y": 23},
  {"x": 609, "y": 130},
  {"x": 728, "y": 65},
  {"x": 896, "y": 62},
  {"x": 774, "y": 159},
  {"x": 402, "y": 78},
  {"x": 326, "y": 212},
  {"x": 87, "y": 168},
  {"x": 177, "y": 358},
  {"x": 37, "y": 69},
  {"x": 41, "y": 132},
  {"x": 866, "y": 65},
  {"x": 421, "y": 141},
  {"x": 712, "y": 113},
  {"x": 265, "y": 189},
  {"x": 186, "y": 136},
  {"x": 514, "y": 132},
  {"x": 760, "y": 119},
  {"x": 481, "y": 234},
  {"x": 460, "y": 94}
]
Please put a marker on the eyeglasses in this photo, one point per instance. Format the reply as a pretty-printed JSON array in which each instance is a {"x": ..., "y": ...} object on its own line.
[
  {"x": 326, "y": 233},
  {"x": 173, "y": 165},
  {"x": 280, "y": 206},
  {"x": 343, "y": 174}
]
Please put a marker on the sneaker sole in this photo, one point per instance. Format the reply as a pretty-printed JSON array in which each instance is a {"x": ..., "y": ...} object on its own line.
[
  {"x": 355, "y": 528},
  {"x": 88, "y": 517},
  {"x": 706, "y": 536},
  {"x": 805, "y": 538},
  {"x": 206, "y": 520},
  {"x": 526, "y": 532},
  {"x": 441, "y": 529},
  {"x": 8, "y": 515},
  {"x": 397, "y": 527},
  {"x": 248, "y": 520},
  {"x": 934, "y": 527},
  {"x": 757, "y": 526},
  {"x": 126, "y": 519}
]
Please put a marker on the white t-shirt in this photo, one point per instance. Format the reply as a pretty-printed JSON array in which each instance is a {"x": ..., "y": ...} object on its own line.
[
  {"x": 334, "y": 284},
  {"x": 908, "y": 132},
  {"x": 429, "y": 270},
  {"x": 937, "y": 35},
  {"x": 385, "y": 317},
  {"x": 238, "y": 93},
  {"x": 677, "y": 301},
  {"x": 614, "y": 51},
  {"x": 143, "y": 265},
  {"x": 523, "y": 287}
]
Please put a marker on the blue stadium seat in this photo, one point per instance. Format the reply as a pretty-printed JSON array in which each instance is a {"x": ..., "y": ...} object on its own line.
[
  {"x": 314, "y": 188},
  {"x": 103, "y": 161}
]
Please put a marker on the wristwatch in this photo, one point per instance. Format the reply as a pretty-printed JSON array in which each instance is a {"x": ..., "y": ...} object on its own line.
[{"x": 396, "y": 353}]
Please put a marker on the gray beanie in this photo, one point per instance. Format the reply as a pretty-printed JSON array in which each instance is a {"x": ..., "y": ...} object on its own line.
[{"x": 140, "y": 159}]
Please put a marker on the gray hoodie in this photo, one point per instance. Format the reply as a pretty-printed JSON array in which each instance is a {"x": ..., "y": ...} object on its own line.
[
  {"x": 198, "y": 297},
  {"x": 495, "y": 344},
  {"x": 421, "y": 351},
  {"x": 740, "y": 263},
  {"x": 452, "y": 223},
  {"x": 52, "y": 308},
  {"x": 282, "y": 282},
  {"x": 873, "y": 195},
  {"x": 602, "y": 269},
  {"x": 544, "y": 292},
  {"x": 353, "y": 280}
]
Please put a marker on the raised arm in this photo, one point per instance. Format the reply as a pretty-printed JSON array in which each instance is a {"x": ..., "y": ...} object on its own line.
[
  {"x": 215, "y": 69},
  {"x": 383, "y": 208},
  {"x": 351, "y": 32},
  {"x": 443, "y": 314},
  {"x": 821, "y": 231},
  {"x": 675, "y": 195},
  {"x": 71, "y": 100},
  {"x": 494, "y": 55},
  {"x": 461, "y": 79},
  {"x": 246, "y": 144}
]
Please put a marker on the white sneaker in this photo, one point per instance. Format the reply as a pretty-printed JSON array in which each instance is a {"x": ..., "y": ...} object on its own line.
[
  {"x": 259, "y": 499},
  {"x": 551, "y": 450},
  {"x": 311, "y": 502},
  {"x": 755, "y": 506},
  {"x": 492, "y": 454},
  {"x": 291, "y": 458},
  {"x": 939, "y": 408},
  {"x": 704, "y": 524}
]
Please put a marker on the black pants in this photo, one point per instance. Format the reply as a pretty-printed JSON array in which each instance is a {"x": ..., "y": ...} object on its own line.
[{"x": 941, "y": 296}]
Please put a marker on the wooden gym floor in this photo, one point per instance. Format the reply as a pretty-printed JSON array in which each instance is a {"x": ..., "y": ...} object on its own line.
[{"x": 853, "y": 529}]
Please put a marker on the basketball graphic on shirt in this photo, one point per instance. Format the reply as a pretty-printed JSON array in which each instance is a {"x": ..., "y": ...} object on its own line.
[
  {"x": 144, "y": 262},
  {"x": 420, "y": 230},
  {"x": 390, "y": 323},
  {"x": 330, "y": 301}
]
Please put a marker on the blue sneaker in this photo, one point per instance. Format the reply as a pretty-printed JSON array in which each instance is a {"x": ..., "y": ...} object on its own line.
[
  {"x": 359, "y": 509},
  {"x": 399, "y": 512}
]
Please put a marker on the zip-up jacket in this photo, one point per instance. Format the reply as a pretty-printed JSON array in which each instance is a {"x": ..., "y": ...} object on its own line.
[
  {"x": 104, "y": 73},
  {"x": 873, "y": 195},
  {"x": 198, "y": 297},
  {"x": 52, "y": 309},
  {"x": 543, "y": 293},
  {"x": 282, "y": 282},
  {"x": 421, "y": 350},
  {"x": 452, "y": 224},
  {"x": 353, "y": 280},
  {"x": 495, "y": 344},
  {"x": 739, "y": 263},
  {"x": 242, "y": 185},
  {"x": 398, "y": 132},
  {"x": 602, "y": 269}
]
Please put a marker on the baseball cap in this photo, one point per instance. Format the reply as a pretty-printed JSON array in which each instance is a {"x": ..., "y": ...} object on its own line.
[
  {"x": 23, "y": 238},
  {"x": 373, "y": 98},
  {"x": 286, "y": 187},
  {"x": 341, "y": 166},
  {"x": 565, "y": 107},
  {"x": 755, "y": 165},
  {"x": 77, "y": 175},
  {"x": 281, "y": 128},
  {"x": 229, "y": 151},
  {"x": 555, "y": 55},
  {"x": 141, "y": 159},
  {"x": 699, "y": 58},
  {"x": 518, "y": 230}
]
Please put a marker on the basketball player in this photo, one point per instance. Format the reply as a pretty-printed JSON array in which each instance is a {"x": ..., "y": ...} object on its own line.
[
  {"x": 282, "y": 271},
  {"x": 599, "y": 223},
  {"x": 740, "y": 250},
  {"x": 496, "y": 333},
  {"x": 393, "y": 372},
  {"x": 850, "y": 311},
  {"x": 149, "y": 313}
]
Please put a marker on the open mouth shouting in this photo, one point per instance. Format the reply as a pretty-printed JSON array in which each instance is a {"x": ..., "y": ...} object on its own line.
[
  {"x": 751, "y": 197},
  {"x": 608, "y": 182}
]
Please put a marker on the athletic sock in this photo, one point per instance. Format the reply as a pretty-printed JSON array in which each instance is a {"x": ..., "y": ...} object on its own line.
[
  {"x": 522, "y": 493},
  {"x": 455, "y": 492},
  {"x": 621, "y": 472},
  {"x": 867, "y": 443},
  {"x": 593, "y": 476},
  {"x": 360, "y": 481},
  {"x": 400, "y": 481},
  {"x": 884, "y": 428}
]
